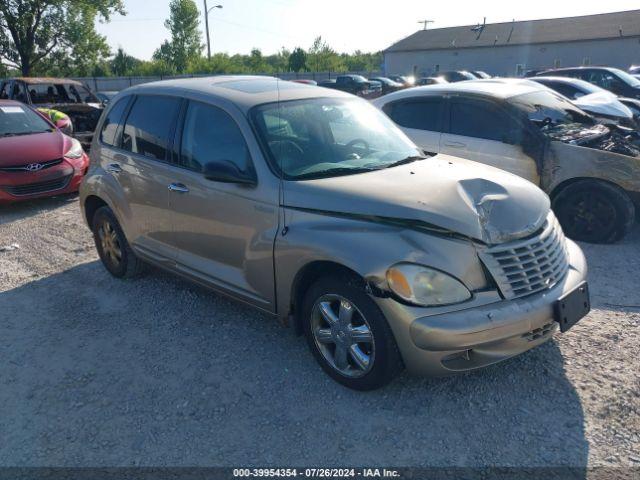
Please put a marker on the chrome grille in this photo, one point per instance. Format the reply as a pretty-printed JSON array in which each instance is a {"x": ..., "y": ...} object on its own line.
[
  {"x": 25, "y": 168},
  {"x": 528, "y": 266}
]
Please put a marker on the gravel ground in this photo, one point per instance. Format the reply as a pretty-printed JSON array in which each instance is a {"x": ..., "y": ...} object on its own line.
[{"x": 155, "y": 371}]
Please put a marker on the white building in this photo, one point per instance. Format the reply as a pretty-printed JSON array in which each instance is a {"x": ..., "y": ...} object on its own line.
[{"x": 511, "y": 48}]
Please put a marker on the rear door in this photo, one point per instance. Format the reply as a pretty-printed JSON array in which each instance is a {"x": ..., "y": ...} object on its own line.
[
  {"x": 481, "y": 130},
  {"x": 140, "y": 165},
  {"x": 421, "y": 118},
  {"x": 224, "y": 233}
]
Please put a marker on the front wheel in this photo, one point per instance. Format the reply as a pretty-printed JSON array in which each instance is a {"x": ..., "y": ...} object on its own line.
[
  {"x": 594, "y": 211},
  {"x": 348, "y": 335}
]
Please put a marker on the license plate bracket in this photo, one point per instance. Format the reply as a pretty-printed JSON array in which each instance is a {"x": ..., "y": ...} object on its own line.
[{"x": 572, "y": 307}]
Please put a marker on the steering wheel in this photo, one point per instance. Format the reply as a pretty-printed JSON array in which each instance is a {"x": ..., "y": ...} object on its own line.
[{"x": 357, "y": 141}]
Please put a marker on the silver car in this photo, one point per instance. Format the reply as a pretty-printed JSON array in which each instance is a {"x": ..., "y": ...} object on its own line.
[{"x": 310, "y": 205}]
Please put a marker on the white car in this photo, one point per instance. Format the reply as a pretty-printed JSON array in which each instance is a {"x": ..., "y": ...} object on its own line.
[
  {"x": 600, "y": 103},
  {"x": 591, "y": 171}
]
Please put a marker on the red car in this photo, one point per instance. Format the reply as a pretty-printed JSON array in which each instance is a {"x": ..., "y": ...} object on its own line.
[{"x": 36, "y": 159}]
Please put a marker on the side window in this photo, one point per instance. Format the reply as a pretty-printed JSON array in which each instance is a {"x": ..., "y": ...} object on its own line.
[
  {"x": 211, "y": 135},
  {"x": 568, "y": 91},
  {"x": 112, "y": 121},
  {"x": 148, "y": 126},
  {"x": 18, "y": 93},
  {"x": 421, "y": 114},
  {"x": 4, "y": 91},
  {"x": 480, "y": 119}
]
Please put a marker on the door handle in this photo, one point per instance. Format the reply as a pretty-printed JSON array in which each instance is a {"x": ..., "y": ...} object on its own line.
[
  {"x": 178, "y": 188},
  {"x": 455, "y": 144},
  {"x": 114, "y": 168}
]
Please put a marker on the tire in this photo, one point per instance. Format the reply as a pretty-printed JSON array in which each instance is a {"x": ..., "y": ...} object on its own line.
[
  {"x": 594, "y": 211},
  {"x": 384, "y": 360},
  {"x": 124, "y": 265}
]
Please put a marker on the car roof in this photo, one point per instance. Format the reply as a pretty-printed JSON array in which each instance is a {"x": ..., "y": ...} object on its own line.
[
  {"x": 577, "y": 82},
  {"x": 245, "y": 91},
  {"x": 498, "y": 88},
  {"x": 571, "y": 69},
  {"x": 40, "y": 80}
]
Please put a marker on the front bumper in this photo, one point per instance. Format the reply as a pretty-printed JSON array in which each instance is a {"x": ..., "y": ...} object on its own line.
[
  {"x": 492, "y": 330},
  {"x": 59, "y": 180}
]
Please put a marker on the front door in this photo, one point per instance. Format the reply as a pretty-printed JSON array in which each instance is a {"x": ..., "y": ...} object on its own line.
[
  {"x": 481, "y": 131},
  {"x": 224, "y": 232}
]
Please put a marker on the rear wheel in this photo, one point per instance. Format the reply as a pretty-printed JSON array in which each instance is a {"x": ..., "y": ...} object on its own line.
[
  {"x": 348, "y": 335},
  {"x": 594, "y": 211},
  {"x": 112, "y": 245}
]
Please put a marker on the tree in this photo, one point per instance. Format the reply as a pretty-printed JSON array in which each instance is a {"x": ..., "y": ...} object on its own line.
[
  {"x": 123, "y": 63},
  {"x": 359, "y": 61},
  {"x": 298, "y": 60},
  {"x": 322, "y": 58},
  {"x": 186, "y": 38},
  {"x": 31, "y": 30},
  {"x": 279, "y": 62}
]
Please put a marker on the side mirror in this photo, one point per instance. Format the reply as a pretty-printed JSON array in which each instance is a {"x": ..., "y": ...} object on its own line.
[{"x": 226, "y": 171}]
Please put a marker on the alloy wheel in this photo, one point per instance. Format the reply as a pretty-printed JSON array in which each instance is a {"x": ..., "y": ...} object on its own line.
[
  {"x": 109, "y": 242},
  {"x": 343, "y": 336}
]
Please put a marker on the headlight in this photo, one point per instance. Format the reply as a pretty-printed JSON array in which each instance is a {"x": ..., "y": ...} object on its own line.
[
  {"x": 425, "y": 286},
  {"x": 75, "y": 151}
]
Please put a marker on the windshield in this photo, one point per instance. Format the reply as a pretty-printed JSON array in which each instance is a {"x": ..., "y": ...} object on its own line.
[
  {"x": 18, "y": 120},
  {"x": 326, "y": 137},
  {"x": 626, "y": 78},
  {"x": 548, "y": 110},
  {"x": 53, "y": 93}
]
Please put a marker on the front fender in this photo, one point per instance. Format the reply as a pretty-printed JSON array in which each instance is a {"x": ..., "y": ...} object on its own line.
[
  {"x": 367, "y": 248},
  {"x": 567, "y": 162}
]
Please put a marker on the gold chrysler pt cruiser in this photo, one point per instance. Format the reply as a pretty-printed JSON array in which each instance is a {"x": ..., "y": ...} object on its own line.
[{"x": 310, "y": 205}]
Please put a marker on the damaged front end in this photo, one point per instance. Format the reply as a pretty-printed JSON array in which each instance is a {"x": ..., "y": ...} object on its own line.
[{"x": 600, "y": 137}]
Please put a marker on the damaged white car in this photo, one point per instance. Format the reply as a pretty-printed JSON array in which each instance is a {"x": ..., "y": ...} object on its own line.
[{"x": 590, "y": 171}]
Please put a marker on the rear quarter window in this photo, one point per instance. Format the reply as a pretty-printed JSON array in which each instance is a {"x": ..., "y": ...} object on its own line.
[
  {"x": 148, "y": 126},
  {"x": 112, "y": 122}
]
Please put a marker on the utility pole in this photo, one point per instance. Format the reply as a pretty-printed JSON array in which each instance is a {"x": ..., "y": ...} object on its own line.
[
  {"x": 206, "y": 24},
  {"x": 424, "y": 23}
]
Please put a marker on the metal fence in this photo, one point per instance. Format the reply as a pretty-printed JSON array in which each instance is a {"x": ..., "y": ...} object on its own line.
[{"x": 107, "y": 84}]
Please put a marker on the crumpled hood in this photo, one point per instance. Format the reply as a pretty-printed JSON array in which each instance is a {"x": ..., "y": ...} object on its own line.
[
  {"x": 457, "y": 195},
  {"x": 604, "y": 103}
]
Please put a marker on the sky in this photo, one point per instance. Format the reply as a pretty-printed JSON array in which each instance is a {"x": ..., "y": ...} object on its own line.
[{"x": 347, "y": 25}]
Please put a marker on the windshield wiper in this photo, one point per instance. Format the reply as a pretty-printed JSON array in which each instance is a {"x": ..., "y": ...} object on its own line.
[
  {"x": 404, "y": 161},
  {"x": 333, "y": 172}
]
